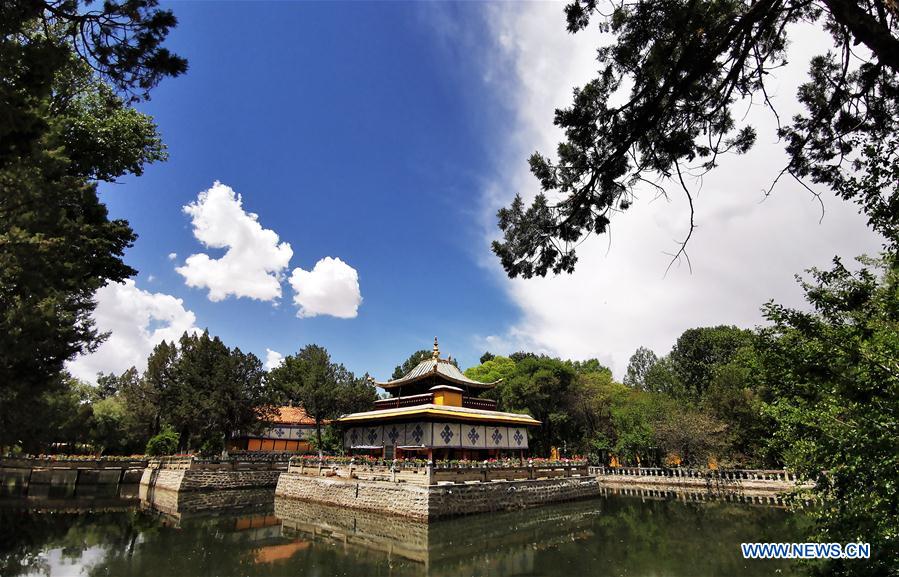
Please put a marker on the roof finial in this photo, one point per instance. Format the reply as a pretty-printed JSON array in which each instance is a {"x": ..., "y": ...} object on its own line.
[{"x": 436, "y": 354}]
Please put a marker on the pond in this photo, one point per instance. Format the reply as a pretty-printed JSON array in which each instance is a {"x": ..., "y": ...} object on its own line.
[{"x": 254, "y": 533}]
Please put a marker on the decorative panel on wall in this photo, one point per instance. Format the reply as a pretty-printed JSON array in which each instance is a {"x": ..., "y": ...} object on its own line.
[
  {"x": 373, "y": 436},
  {"x": 447, "y": 435},
  {"x": 497, "y": 437},
  {"x": 474, "y": 436},
  {"x": 418, "y": 434},
  {"x": 394, "y": 434},
  {"x": 518, "y": 438}
]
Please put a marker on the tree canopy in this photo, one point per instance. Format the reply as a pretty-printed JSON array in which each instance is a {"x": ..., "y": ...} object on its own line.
[
  {"x": 662, "y": 109},
  {"x": 641, "y": 362},
  {"x": 323, "y": 388},
  {"x": 205, "y": 391},
  {"x": 69, "y": 71},
  {"x": 834, "y": 384},
  {"x": 412, "y": 362}
]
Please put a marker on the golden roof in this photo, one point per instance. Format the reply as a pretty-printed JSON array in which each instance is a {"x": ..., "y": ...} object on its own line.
[{"x": 443, "y": 411}]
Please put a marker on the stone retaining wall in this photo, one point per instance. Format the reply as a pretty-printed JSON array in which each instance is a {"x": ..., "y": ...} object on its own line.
[
  {"x": 711, "y": 485},
  {"x": 23, "y": 477},
  {"x": 427, "y": 503},
  {"x": 203, "y": 479},
  {"x": 453, "y": 500},
  {"x": 402, "y": 499},
  {"x": 191, "y": 504}
]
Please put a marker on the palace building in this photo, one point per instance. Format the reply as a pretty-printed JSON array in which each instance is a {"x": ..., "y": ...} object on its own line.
[
  {"x": 434, "y": 412},
  {"x": 290, "y": 430}
]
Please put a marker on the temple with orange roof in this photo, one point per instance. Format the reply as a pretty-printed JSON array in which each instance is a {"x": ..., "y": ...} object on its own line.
[{"x": 434, "y": 412}]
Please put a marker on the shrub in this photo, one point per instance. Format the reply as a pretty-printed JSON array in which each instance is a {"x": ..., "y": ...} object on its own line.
[{"x": 165, "y": 443}]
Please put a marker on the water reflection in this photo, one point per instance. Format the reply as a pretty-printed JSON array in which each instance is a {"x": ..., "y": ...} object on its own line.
[
  {"x": 254, "y": 533},
  {"x": 609, "y": 536}
]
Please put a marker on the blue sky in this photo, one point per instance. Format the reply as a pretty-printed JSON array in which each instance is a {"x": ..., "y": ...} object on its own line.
[
  {"x": 351, "y": 133},
  {"x": 386, "y": 135}
]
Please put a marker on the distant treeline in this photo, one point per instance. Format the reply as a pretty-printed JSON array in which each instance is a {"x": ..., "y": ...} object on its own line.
[
  {"x": 702, "y": 401},
  {"x": 193, "y": 396}
]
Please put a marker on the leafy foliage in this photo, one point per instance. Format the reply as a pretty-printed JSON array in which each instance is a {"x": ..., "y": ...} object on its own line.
[
  {"x": 164, "y": 443},
  {"x": 834, "y": 383},
  {"x": 640, "y": 364},
  {"x": 661, "y": 110},
  {"x": 492, "y": 369},
  {"x": 413, "y": 361},
  {"x": 698, "y": 351},
  {"x": 63, "y": 129},
  {"x": 204, "y": 390},
  {"x": 324, "y": 389}
]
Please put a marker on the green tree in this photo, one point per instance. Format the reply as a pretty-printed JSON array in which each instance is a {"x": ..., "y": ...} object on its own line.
[
  {"x": 164, "y": 443},
  {"x": 156, "y": 394},
  {"x": 735, "y": 396},
  {"x": 323, "y": 388},
  {"x": 203, "y": 389},
  {"x": 662, "y": 377},
  {"x": 61, "y": 413},
  {"x": 691, "y": 434},
  {"x": 63, "y": 129},
  {"x": 589, "y": 402},
  {"x": 521, "y": 355},
  {"x": 141, "y": 404},
  {"x": 683, "y": 68},
  {"x": 698, "y": 351},
  {"x": 633, "y": 419},
  {"x": 834, "y": 383},
  {"x": 109, "y": 430},
  {"x": 486, "y": 357},
  {"x": 491, "y": 370},
  {"x": 640, "y": 364},
  {"x": 590, "y": 366},
  {"x": 413, "y": 361},
  {"x": 538, "y": 387}
]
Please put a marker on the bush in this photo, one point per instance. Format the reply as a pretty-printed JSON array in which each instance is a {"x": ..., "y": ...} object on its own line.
[{"x": 165, "y": 443}]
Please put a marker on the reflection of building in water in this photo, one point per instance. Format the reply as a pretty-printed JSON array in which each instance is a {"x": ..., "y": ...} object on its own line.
[
  {"x": 290, "y": 431},
  {"x": 434, "y": 412},
  {"x": 504, "y": 544},
  {"x": 241, "y": 517}
]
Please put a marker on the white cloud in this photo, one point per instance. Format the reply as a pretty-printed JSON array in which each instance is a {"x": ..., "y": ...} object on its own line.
[
  {"x": 137, "y": 320},
  {"x": 330, "y": 288},
  {"x": 273, "y": 359},
  {"x": 254, "y": 262},
  {"x": 744, "y": 251},
  {"x": 173, "y": 255}
]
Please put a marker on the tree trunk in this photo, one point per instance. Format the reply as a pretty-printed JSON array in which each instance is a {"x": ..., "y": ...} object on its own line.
[{"x": 318, "y": 437}]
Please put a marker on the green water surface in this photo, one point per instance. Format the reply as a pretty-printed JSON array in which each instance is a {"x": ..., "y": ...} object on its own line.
[{"x": 257, "y": 534}]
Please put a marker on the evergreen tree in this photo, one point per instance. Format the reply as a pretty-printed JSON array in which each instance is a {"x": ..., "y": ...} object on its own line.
[
  {"x": 323, "y": 388},
  {"x": 69, "y": 71},
  {"x": 684, "y": 68}
]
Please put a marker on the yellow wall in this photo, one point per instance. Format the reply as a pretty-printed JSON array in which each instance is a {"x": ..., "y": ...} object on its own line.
[{"x": 448, "y": 398}]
